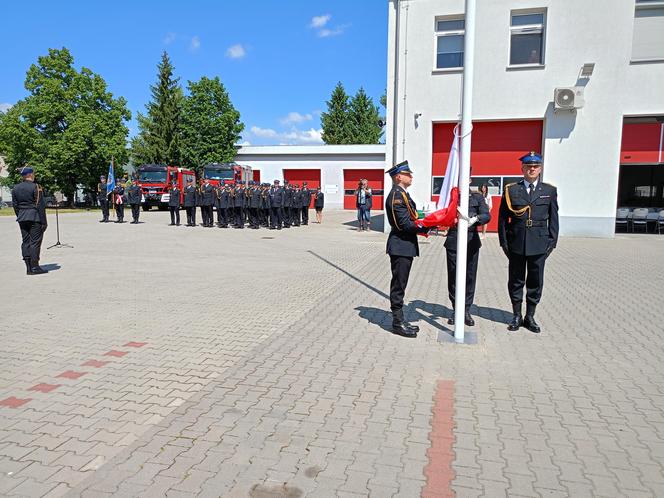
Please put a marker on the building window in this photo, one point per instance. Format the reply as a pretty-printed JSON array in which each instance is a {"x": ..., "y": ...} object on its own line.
[
  {"x": 449, "y": 43},
  {"x": 648, "y": 38},
  {"x": 527, "y": 38}
]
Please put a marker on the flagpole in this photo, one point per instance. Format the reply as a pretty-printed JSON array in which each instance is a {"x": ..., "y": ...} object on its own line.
[{"x": 464, "y": 170}]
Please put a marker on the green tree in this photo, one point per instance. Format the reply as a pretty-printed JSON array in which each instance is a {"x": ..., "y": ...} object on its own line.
[
  {"x": 67, "y": 128},
  {"x": 335, "y": 122},
  {"x": 158, "y": 140},
  {"x": 211, "y": 126},
  {"x": 365, "y": 120}
]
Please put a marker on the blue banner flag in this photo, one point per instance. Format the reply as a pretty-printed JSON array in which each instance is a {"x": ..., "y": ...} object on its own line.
[{"x": 110, "y": 179}]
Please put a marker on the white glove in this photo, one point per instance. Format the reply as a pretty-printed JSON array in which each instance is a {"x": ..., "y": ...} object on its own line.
[{"x": 471, "y": 221}]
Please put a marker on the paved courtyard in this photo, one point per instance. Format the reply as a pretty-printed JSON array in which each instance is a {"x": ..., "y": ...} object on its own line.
[{"x": 173, "y": 361}]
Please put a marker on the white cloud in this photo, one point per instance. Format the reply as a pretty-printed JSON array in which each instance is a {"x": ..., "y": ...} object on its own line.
[
  {"x": 237, "y": 51},
  {"x": 195, "y": 44},
  {"x": 5, "y": 107},
  {"x": 169, "y": 38},
  {"x": 263, "y": 132},
  {"x": 295, "y": 117},
  {"x": 319, "y": 21},
  {"x": 292, "y": 137},
  {"x": 326, "y": 33},
  {"x": 244, "y": 143}
]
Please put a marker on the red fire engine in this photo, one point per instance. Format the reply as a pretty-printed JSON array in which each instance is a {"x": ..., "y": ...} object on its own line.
[
  {"x": 155, "y": 181},
  {"x": 228, "y": 172}
]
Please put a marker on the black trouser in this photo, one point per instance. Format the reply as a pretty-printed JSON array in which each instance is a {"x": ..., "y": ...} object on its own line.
[
  {"x": 104, "y": 210},
  {"x": 191, "y": 215},
  {"x": 295, "y": 214},
  {"x": 471, "y": 272},
  {"x": 203, "y": 216},
  {"x": 285, "y": 214},
  {"x": 519, "y": 266},
  {"x": 119, "y": 212},
  {"x": 239, "y": 217},
  {"x": 32, "y": 234},
  {"x": 400, "y": 273},
  {"x": 221, "y": 216},
  {"x": 275, "y": 221},
  {"x": 253, "y": 218},
  {"x": 209, "y": 212},
  {"x": 175, "y": 214},
  {"x": 135, "y": 211},
  {"x": 305, "y": 215}
]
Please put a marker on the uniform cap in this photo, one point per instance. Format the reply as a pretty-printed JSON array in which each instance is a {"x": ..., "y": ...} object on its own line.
[
  {"x": 26, "y": 171},
  {"x": 399, "y": 168},
  {"x": 531, "y": 158}
]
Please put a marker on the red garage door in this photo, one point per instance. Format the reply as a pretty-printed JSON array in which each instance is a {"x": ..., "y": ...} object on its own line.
[
  {"x": 257, "y": 175},
  {"x": 299, "y": 176},
  {"x": 642, "y": 143},
  {"x": 496, "y": 149},
  {"x": 353, "y": 176}
]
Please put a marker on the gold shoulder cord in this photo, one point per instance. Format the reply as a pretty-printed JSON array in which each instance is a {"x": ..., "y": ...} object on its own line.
[
  {"x": 517, "y": 212},
  {"x": 393, "y": 216},
  {"x": 38, "y": 195},
  {"x": 411, "y": 211}
]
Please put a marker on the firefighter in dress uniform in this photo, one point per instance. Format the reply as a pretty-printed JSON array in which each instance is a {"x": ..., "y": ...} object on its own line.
[
  {"x": 528, "y": 233},
  {"x": 30, "y": 208},
  {"x": 134, "y": 195},
  {"x": 174, "y": 204},
  {"x": 478, "y": 214},
  {"x": 306, "y": 201},
  {"x": 190, "y": 196},
  {"x": 102, "y": 197},
  {"x": 276, "y": 206},
  {"x": 402, "y": 244},
  {"x": 119, "y": 200}
]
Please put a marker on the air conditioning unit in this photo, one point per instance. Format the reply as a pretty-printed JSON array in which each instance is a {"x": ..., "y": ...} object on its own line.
[{"x": 568, "y": 98}]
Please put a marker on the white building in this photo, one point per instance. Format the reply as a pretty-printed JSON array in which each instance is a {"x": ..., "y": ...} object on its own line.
[
  {"x": 335, "y": 168},
  {"x": 607, "y": 153}
]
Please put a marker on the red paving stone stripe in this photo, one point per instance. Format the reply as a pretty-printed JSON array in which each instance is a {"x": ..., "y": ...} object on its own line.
[
  {"x": 439, "y": 472},
  {"x": 13, "y": 402},
  {"x": 70, "y": 374},
  {"x": 44, "y": 388},
  {"x": 135, "y": 344},
  {"x": 118, "y": 354},
  {"x": 94, "y": 363}
]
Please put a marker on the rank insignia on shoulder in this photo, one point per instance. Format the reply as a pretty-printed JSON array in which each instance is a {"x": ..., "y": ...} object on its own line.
[
  {"x": 397, "y": 201},
  {"x": 545, "y": 196}
]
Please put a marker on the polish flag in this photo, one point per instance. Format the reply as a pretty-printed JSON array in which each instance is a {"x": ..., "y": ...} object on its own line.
[{"x": 448, "y": 202}]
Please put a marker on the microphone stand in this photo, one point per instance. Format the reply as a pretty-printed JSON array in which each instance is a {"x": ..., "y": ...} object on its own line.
[{"x": 58, "y": 244}]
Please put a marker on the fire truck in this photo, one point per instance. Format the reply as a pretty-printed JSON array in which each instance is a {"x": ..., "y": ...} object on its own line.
[
  {"x": 228, "y": 172},
  {"x": 155, "y": 181}
]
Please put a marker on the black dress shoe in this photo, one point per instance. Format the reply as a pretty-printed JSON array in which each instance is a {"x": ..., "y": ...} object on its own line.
[
  {"x": 37, "y": 270},
  {"x": 516, "y": 322},
  {"x": 171, "y": 224},
  {"x": 468, "y": 320},
  {"x": 402, "y": 330},
  {"x": 412, "y": 328},
  {"x": 450, "y": 320},
  {"x": 530, "y": 323}
]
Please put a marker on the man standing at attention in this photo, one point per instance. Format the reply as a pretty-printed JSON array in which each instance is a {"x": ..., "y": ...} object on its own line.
[
  {"x": 30, "y": 208},
  {"x": 528, "y": 232},
  {"x": 402, "y": 244}
]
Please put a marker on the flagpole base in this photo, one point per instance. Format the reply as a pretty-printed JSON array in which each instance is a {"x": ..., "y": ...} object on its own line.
[{"x": 445, "y": 337}]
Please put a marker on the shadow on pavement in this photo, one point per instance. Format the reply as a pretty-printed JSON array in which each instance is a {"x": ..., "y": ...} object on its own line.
[
  {"x": 377, "y": 223},
  {"x": 51, "y": 267}
]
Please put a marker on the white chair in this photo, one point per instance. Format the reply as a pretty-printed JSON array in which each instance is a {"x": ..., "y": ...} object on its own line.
[
  {"x": 660, "y": 222},
  {"x": 622, "y": 218},
  {"x": 640, "y": 219}
]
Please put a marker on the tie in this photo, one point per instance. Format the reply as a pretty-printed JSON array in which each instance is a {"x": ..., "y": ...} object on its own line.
[{"x": 531, "y": 189}]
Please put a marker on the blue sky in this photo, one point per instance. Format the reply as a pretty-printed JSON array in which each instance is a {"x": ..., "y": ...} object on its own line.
[{"x": 278, "y": 60}]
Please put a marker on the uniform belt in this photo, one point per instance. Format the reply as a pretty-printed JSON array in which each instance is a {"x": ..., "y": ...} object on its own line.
[{"x": 531, "y": 223}]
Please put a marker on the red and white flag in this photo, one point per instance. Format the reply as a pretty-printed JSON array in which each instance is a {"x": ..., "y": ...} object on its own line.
[{"x": 448, "y": 202}]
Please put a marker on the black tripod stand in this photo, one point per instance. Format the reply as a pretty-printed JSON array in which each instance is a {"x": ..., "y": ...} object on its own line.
[{"x": 57, "y": 231}]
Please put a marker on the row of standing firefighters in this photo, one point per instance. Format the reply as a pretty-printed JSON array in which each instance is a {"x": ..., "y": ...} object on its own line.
[{"x": 260, "y": 204}]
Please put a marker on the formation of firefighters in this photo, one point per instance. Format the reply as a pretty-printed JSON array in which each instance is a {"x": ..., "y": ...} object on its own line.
[{"x": 237, "y": 203}]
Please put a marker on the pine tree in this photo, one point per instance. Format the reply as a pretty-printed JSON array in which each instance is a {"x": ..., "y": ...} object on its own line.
[
  {"x": 158, "y": 140},
  {"x": 335, "y": 122},
  {"x": 364, "y": 120},
  {"x": 211, "y": 126}
]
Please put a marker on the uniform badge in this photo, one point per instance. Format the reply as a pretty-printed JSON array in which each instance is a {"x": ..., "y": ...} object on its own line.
[{"x": 397, "y": 201}]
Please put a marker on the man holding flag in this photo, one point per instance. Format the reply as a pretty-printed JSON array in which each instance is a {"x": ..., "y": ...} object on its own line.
[{"x": 402, "y": 244}]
